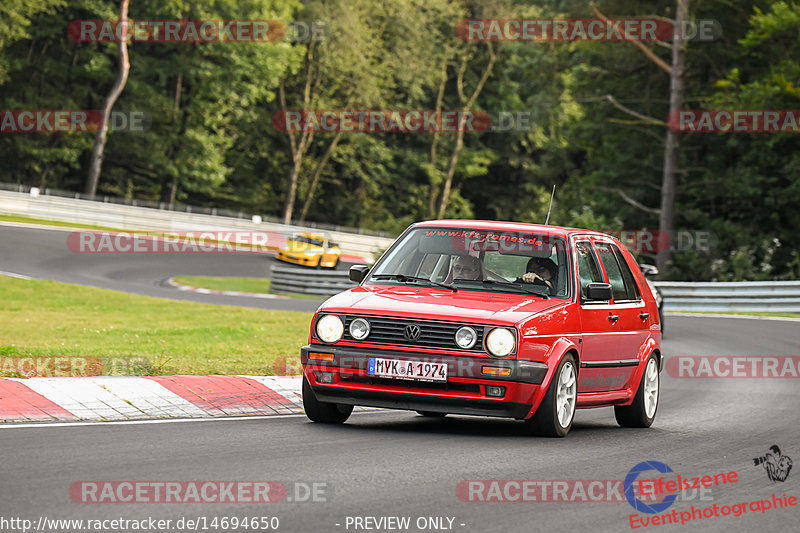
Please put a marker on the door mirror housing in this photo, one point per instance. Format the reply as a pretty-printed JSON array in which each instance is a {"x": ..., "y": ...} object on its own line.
[
  {"x": 599, "y": 292},
  {"x": 648, "y": 270},
  {"x": 359, "y": 272}
]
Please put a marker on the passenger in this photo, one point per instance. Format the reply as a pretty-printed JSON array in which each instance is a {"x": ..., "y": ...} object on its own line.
[{"x": 468, "y": 267}]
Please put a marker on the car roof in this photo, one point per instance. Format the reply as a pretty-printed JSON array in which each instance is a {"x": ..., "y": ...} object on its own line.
[{"x": 492, "y": 225}]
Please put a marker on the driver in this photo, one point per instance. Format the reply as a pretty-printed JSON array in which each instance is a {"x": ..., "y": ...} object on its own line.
[
  {"x": 468, "y": 267},
  {"x": 540, "y": 271}
]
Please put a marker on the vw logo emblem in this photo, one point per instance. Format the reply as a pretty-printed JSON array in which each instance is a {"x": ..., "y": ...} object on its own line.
[{"x": 412, "y": 332}]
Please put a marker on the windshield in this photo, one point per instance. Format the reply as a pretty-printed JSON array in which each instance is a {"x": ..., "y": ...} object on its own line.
[
  {"x": 306, "y": 240},
  {"x": 472, "y": 259}
]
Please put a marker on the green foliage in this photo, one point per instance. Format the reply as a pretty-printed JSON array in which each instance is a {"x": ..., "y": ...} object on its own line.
[{"x": 211, "y": 139}]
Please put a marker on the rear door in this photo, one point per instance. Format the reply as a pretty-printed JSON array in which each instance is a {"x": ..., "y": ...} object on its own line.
[{"x": 634, "y": 321}]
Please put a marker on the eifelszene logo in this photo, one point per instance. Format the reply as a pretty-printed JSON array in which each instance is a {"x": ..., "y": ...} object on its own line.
[
  {"x": 777, "y": 466},
  {"x": 630, "y": 486}
]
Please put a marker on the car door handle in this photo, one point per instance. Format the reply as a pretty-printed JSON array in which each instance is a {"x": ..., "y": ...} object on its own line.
[
  {"x": 644, "y": 316},
  {"x": 613, "y": 318}
]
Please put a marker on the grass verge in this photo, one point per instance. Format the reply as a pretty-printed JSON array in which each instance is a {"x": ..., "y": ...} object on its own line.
[
  {"x": 44, "y": 222},
  {"x": 134, "y": 334}
]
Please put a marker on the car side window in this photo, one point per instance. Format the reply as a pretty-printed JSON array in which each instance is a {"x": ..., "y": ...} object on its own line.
[
  {"x": 588, "y": 269},
  {"x": 627, "y": 275},
  {"x": 624, "y": 289}
]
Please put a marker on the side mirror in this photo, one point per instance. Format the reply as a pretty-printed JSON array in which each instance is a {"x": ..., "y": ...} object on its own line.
[
  {"x": 599, "y": 292},
  {"x": 649, "y": 270},
  {"x": 359, "y": 272}
]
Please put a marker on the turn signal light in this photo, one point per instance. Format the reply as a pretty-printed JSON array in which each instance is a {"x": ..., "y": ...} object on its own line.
[
  {"x": 320, "y": 356},
  {"x": 495, "y": 371}
]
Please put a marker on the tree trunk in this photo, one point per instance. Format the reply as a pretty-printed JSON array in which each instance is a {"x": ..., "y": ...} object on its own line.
[
  {"x": 435, "y": 142},
  {"x": 666, "y": 219},
  {"x": 317, "y": 173},
  {"x": 288, "y": 206},
  {"x": 451, "y": 170},
  {"x": 96, "y": 161},
  {"x": 467, "y": 106},
  {"x": 298, "y": 149}
]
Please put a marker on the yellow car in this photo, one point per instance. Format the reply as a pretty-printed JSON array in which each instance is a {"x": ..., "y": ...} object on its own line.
[{"x": 310, "y": 249}]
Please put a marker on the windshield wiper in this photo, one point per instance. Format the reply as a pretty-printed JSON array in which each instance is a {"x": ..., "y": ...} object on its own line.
[
  {"x": 402, "y": 278},
  {"x": 510, "y": 284}
]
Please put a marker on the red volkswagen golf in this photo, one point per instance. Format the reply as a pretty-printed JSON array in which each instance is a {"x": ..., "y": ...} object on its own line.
[{"x": 490, "y": 318}]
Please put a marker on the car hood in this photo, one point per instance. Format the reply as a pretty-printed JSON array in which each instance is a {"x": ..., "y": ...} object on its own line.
[
  {"x": 409, "y": 301},
  {"x": 300, "y": 247}
]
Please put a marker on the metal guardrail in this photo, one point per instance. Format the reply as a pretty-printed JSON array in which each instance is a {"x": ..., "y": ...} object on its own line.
[
  {"x": 754, "y": 296},
  {"x": 128, "y": 217},
  {"x": 183, "y": 208},
  {"x": 306, "y": 281}
]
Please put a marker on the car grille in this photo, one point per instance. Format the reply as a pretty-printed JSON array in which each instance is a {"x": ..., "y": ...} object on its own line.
[{"x": 432, "y": 334}]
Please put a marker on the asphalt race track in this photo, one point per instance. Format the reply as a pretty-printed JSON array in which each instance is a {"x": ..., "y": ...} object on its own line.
[
  {"x": 401, "y": 464},
  {"x": 43, "y": 254},
  {"x": 383, "y": 464}
]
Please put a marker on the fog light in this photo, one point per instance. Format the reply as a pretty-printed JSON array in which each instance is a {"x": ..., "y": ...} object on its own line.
[
  {"x": 492, "y": 390},
  {"x": 326, "y": 377}
]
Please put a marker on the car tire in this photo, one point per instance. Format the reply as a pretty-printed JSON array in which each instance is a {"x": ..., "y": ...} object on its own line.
[
  {"x": 642, "y": 412},
  {"x": 661, "y": 318},
  {"x": 556, "y": 413},
  {"x": 323, "y": 412},
  {"x": 431, "y": 414}
]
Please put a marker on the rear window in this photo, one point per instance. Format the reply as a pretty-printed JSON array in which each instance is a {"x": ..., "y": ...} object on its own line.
[{"x": 619, "y": 275}]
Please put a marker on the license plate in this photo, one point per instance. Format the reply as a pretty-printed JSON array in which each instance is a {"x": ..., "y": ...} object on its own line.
[{"x": 399, "y": 369}]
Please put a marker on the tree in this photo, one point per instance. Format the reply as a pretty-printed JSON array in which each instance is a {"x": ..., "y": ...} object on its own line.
[{"x": 96, "y": 161}]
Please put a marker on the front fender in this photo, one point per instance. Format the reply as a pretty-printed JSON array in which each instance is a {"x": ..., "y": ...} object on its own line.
[{"x": 553, "y": 358}]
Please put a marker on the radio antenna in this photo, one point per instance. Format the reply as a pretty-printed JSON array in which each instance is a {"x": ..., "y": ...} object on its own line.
[{"x": 552, "y": 195}]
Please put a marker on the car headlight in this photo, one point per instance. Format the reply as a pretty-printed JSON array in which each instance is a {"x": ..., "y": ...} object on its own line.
[
  {"x": 359, "y": 329},
  {"x": 312, "y": 252},
  {"x": 466, "y": 337},
  {"x": 330, "y": 328},
  {"x": 500, "y": 342}
]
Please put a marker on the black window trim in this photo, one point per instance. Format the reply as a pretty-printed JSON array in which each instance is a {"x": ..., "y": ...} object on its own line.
[
  {"x": 617, "y": 253},
  {"x": 581, "y": 239}
]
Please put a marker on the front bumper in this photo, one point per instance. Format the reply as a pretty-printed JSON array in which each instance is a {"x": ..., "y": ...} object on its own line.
[
  {"x": 463, "y": 393},
  {"x": 298, "y": 259}
]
